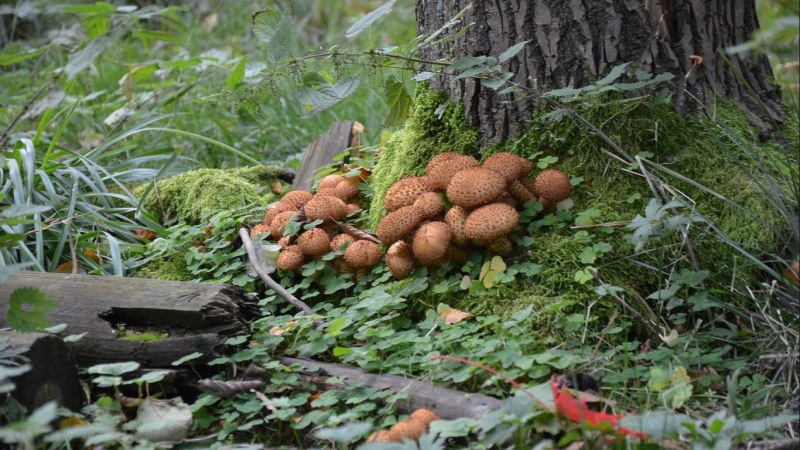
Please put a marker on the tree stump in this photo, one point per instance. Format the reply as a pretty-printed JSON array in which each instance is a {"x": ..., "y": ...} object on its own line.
[
  {"x": 53, "y": 374},
  {"x": 337, "y": 139},
  {"x": 114, "y": 313}
]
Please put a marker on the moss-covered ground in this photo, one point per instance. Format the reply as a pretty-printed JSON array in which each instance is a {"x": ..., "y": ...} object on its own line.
[{"x": 721, "y": 153}]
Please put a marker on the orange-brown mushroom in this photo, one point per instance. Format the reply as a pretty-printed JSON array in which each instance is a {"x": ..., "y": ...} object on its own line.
[
  {"x": 553, "y": 184},
  {"x": 291, "y": 258},
  {"x": 362, "y": 254},
  {"x": 404, "y": 192},
  {"x": 509, "y": 165},
  {"x": 429, "y": 205},
  {"x": 441, "y": 168},
  {"x": 326, "y": 208},
  {"x": 314, "y": 242},
  {"x": 339, "y": 240},
  {"x": 430, "y": 242},
  {"x": 489, "y": 222},
  {"x": 456, "y": 218},
  {"x": 397, "y": 224},
  {"x": 475, "y": 187}
]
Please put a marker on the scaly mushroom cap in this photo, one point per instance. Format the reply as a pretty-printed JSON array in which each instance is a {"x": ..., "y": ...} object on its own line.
[
  {"x": 398, "y": 224},
  {"x": 325, "y": 207},
  {"x": 279, "y": 223},
  {"x": 346, "y": 191},
  {"x": 425, "y": 416},
  {"x": 440, "y": 171},
  {"x": 502, "y": 246},
  {"x": 284, "y": 242},
  {"x": 384, "y": 436},
  {"x": 456, "y": 218},
  {"x": 440, "y": 158},
  {"x": 400, "y": 260},
  {"x": 330, "y": 181},
  {"x": 352, "y": 207},
  {"x": 404, "y": 192},
  {"x": 291, "y": 258},
  {"x": 261, "y": 228},
  {"x": 475, "y": 187},
  {"x": 339, "y": 240},
  {"x": 430, "y": 242},
  {"x": 330, "y": 191},
  {"x": 353, "y": 177},
  {"x": 509, "y": 165},
  {"x": 277, "y": 208},
  {"x": 553, "y": 185},
  {"x": 489, "y": 222},
  {"x": 297, "y": 198},
  {"x": 410, "y": 430},
  {"x": 314, "y": 242},
  {"x": 429, "y": 205},
  {"x": 363, "y": 254},
  {"x": 529, "y": 185},
  {"x": 519, "y": 191}
]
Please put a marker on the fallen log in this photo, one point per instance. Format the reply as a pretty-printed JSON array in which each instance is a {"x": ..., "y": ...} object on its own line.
[
  {"x": 53, "y": 374},
  {"x": 116, "y": 313},
  {"x": 446, "y": 403}
]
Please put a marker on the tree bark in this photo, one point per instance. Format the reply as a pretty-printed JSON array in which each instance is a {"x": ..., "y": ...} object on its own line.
[
  {"x": 573, "y": 43},
  {"x": 191, "y": 317}
]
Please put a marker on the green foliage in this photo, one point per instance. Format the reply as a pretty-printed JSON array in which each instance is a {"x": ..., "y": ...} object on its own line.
[{"x": 27, "y": 308}]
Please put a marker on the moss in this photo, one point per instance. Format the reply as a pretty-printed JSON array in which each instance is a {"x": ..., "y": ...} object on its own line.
[
  {"x": 143, "y": 336},
  {"x": 188, "y": 196},
  {"x": 172, "y": 269},
  {"x": 695, "y": 147},
  {"x": 435, "y": 125}
]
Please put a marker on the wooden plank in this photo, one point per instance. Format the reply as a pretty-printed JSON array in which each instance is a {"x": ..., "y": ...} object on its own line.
[
  {"x": 195, "y": 317},
  {"x": 446, "y": 403},
  {"x": 337, "y": 139}
]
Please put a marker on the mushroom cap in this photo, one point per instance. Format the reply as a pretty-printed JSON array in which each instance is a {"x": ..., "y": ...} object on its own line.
[
  {"x": 314, "y": 242},
  {"x": 291, "y": 258},
  {"x": 489, "y": 222},
  {"x": 519, "y": 191},
  {"x": 410, "y": 430},
  {"x": 456, "y": 253},
  {"x": 352, "y": 207},
  {"x": 275, "y": 209},
  {"x": 297, "y": 198},
  {"x": 529, "y": 185},
  {"x": 355, "y": 175},
  {"x": 346, "y": 191},
  {"x": 509, "y": 165},
  {"x": 284, "y": 242},
  {"x": 508, "y": 200},
  {"x": 443, "y": 167},
  {"x": 423, "y": 415},
  {"x": 553, "y": 184},
  {"x": 398, "y": 224},
  {"x": 363, "y": 253},
  {"x": 325, "y": 207},
  {"x": 339, "y": 240},
  {"x": 456, "y": 217},
  {"x": 400, "y": 260},
  {"x": 330, "y": 181},
  {"x": 404, "y": 192},
  {"x": 384, "y": 436},
  {"x": 475, "y": 187},
  {"x": 502, "y": 246},
  {"x": 260, "y": 228},
  {"x": 279, "y": 223},
  {"x": 430, "y": 242},
  {"x": 429, "y": 205}
]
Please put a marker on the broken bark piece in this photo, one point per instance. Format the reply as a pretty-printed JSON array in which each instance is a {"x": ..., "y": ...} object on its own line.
[{"x": 152, "y": 322}]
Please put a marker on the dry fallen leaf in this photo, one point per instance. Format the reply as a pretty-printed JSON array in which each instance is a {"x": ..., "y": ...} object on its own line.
[
  {"x": 452, "y": 315},
  {"x": 276, "y": 187}
]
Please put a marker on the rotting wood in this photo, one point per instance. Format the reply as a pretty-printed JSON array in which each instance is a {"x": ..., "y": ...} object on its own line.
[
  {"x": 53, "y": 375},
  {"x": 195, "y": 317},
  {"x": 337, "y": 139},
  {"x": 446, "y": 403}
]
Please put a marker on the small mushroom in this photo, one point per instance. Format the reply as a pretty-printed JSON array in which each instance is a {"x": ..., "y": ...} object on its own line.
[
  {"x": 443, "y": 167},
  {"x": 400, "y": 260},
  {"x": 553, "y": 184},
  {"x": 330, "y": 181},
  {"x": 509, "y": 165},
  {"x": 489, "y": 222},
  {"x": 291, "y": 258},
  {"x": 430, "y": 242},
  {"x": 404, "y": 192},
  {"x": 456, "y": 218},
  {"x": 314, "y": 242},
  {"x": 475, "y": 187},
  {"x": 279, "y": 223},
  {"x": 346, "y": 191},
  {"x": 422, "y": 415},
  {"x": 297, "y": 198},
  {"x": 519, "y": 191},
  {"x": 501, "y": 246},
  {"x": 397, "y": 224},
  {"x": 429, "y": 205},
  {"x": 325, "y": 207},
  {"x": 260, "y": 228},
  {"x": 361, "y": 254},
  {"x": 339, "y": 240}
]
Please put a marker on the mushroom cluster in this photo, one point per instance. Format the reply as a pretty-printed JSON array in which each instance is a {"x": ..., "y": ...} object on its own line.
[
  {"x": 336, "y": 198},
  {"x": 413, "y": 428},
  {"x": 420, "y": 230}
]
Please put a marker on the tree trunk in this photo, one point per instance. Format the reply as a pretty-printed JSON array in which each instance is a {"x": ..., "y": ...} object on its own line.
[{"x": 572, "y": 43}]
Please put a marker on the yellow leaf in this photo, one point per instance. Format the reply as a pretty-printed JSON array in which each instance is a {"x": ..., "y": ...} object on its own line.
[
  {"x": 452, "y": 315},
  {"x": 498, "y": 265}
]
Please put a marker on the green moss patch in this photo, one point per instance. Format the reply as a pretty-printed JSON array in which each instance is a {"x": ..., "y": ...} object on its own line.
[{"x": 188, "y": 196}]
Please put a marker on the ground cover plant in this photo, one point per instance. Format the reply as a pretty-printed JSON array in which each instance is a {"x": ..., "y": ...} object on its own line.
[{"x": 653, "y": 305}]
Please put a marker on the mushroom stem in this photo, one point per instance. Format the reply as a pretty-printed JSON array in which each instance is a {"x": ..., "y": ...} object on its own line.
[{"x": 272, "y": 284}]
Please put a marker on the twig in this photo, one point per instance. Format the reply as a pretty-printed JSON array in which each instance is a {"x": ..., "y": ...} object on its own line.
[
  {"x": 272, "y": 284},
  {"x": 633, "y": 312}
]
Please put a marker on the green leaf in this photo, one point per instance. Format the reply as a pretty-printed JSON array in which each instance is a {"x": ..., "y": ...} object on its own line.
[
  {"x": 368, "y": 19},
  {"x": 681, "y": 389},
  {"x": 237, "y": 74},
  {"x": 398, "y": 100},
  {"x": 337, "y": 325},
  {"x": 274, "y": 29},
  {"x": 82, "y": 59},
  {"x": 612, "y": 76},
  {"x": 115, "y": 369},
  {"x": 97, "y": 8},
  {"x": 659, "y": 379},
  {"x": 341, "y": 351},
  {"x": 324, "y": 96},
  {"x": 497, "y": 82},
  {"x": 96, "y": 26},
  {"x": 511, "y": 52},
  {"x": 587, "y": 256},
  {"x": 583, "y": 276},
  {"x": 27, "y": 308},
  {"x": 467, "y": 61},
  {"x": 7, "y": 60}
]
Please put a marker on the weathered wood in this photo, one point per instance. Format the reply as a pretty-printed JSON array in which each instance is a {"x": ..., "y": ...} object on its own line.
[
  {"x": 337, "y": 139},
  {"x": 195, "y": 317},
  {"x": 446, "y": 403},
  {"x": 53, "y": 374}
]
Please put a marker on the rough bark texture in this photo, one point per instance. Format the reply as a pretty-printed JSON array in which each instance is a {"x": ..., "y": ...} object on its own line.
[
  {"x": 337, "y": 139},
  {"x": 575, "y": 42},
  {"x": 195, "y": 317}
]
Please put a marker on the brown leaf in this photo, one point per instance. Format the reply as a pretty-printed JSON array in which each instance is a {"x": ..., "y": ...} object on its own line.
[
  {"x": 145, "y": 235},
  {"x": 452, "y": 315},
  {"x": 360, "y": 234},
  {"x": 266, "y": 401}
]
